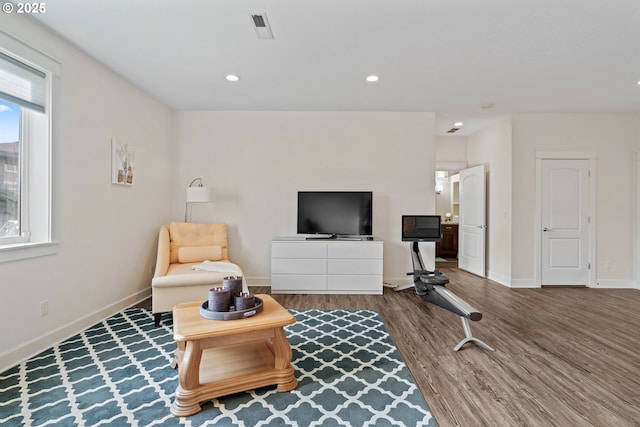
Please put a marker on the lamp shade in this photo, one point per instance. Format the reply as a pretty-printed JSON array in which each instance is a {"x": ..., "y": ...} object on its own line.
[{"x": 198, "y": 194}]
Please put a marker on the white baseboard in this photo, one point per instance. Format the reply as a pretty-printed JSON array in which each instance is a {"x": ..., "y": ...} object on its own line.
[
  {"x": 29, "y": 349},
  {"x": 600, "y": 284},
  {"x": 393, "y": 282},
  {"x": 524, "y": 283},
  {"x": 614, "y": 284},
  {"x": 259, "y": 281},
  {"x": 498, "y": 278},
  {"x": 503, "y": 280}
]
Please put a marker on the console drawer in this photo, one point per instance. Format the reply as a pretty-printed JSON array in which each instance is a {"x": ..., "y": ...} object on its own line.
[
  {"x": 298, "y": 266},
  {"x": 298, "y": 250}
]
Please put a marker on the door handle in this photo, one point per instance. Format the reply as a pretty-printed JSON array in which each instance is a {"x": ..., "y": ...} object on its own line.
[
  {"x": 481, "y": 226},
  {"x": 547, "y": 229}
]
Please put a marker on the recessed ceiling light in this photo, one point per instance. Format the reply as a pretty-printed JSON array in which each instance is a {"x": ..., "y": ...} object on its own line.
[
  {"x": 458, "y": 124},
  {"x": 232, "y": 77},
  {"x": 372, "y": 78}
]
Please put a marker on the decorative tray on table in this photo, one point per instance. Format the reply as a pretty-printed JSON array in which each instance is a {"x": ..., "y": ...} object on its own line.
[{"x": 230, "y": 315}]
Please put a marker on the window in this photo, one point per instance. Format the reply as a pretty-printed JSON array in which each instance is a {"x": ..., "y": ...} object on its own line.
[
  {"x": 9, "y": 171},
  {"x": 26, "y": 208}
]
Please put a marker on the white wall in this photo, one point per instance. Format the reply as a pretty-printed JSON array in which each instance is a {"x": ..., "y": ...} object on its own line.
[
  {"x": 107, "y": 233},
  {"x": 491, "y": 147},
  {"x": 615, "y": 139},
  {"x": 451, "y": 149},
  {"x": 257, "y": 161}
]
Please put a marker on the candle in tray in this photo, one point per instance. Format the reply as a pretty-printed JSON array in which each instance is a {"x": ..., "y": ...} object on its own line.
[
  {"x": 218, "y": 299},
  {"x": 245, "y": 301},
  {"x": 234, "y": 285}
]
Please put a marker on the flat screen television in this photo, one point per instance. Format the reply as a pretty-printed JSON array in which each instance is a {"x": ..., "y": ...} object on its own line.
[
  {"x": 335, "y": 213},
  {"x": 421, "y": 228}
]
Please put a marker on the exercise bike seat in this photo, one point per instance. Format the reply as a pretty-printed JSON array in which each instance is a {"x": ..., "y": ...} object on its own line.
[
  {"x": 434, "y": 277},
  {"x": 424, "y": 280}
]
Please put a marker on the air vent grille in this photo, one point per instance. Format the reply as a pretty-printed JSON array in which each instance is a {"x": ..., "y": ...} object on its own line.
[
  {"x": 258, "y": 21},
  {"x": 453, "y": 130},
  {"x": 261, "y": 25}
]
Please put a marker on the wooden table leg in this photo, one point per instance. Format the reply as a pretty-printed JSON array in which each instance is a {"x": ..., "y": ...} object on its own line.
[
  {"x": 178, "y": 355},
  {"x": 282, "y": 353},
  {"x": 187, "y": 397}
]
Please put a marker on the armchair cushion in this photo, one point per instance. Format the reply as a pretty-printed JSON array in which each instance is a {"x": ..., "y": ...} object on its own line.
[
  {"x": 188, "y": 254},
  {"x": 190, "y": 234},
  {"x": 185, "y": 276}
]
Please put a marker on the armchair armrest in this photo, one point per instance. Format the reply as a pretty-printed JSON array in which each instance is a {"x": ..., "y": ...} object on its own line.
[{"x": 162, "y": 260}]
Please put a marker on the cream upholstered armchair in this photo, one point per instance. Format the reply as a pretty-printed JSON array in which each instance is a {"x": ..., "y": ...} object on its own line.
[{"x": 192, "y": 258}]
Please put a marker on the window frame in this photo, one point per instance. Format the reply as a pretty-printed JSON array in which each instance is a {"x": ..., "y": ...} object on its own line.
[{"x": 37, "y": 204}]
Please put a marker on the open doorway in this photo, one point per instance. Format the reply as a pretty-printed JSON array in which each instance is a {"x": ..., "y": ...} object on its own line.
[{"x": 447, "y": 206}]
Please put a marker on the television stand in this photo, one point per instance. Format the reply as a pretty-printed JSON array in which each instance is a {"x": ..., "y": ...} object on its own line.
[{"x": 326, "y": 266}]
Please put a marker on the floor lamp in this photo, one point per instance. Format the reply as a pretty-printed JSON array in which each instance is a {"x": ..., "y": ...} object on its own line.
[{"x": 196, "y": 193}]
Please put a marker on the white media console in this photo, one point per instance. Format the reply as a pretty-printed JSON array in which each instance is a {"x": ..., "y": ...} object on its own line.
[{"x": 326, "y": 266}]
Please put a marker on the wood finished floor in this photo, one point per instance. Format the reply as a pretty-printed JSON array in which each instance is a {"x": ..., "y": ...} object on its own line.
[{"x": 564, "y": 356}]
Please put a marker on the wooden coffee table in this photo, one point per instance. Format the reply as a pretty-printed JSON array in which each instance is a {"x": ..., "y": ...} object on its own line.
[{"x": 221, "y": 357}]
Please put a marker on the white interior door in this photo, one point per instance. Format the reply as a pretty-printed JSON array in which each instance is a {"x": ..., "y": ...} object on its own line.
[
  {"x": 472, "y": 228},
  {"x": 565, "y": 222}
]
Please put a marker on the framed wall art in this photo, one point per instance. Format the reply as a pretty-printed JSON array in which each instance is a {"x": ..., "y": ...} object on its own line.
[{"x": 123, "y": 158}]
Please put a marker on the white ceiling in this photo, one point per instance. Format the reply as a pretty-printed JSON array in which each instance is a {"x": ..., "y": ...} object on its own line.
[{"x": 445, "y": 56}]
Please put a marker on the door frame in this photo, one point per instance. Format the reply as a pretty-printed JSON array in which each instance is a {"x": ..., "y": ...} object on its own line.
[
  {"x": 566, "y": 155},
  {"x": 638, "y": 220}
]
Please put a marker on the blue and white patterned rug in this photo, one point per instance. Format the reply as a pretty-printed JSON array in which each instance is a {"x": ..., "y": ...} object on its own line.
[{"x": 117, "y": 373}]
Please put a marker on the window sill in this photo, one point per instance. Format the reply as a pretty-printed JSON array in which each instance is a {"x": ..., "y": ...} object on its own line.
[{"x": 19, "y": 251}]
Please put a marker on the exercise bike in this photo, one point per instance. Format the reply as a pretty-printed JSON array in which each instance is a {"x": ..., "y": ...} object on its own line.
[{"x": 430, "y": 285}]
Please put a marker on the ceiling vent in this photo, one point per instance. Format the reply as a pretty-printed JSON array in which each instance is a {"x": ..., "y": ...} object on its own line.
[
  {"x": 453, "y": 130},
  {"x": 260, "y": 23}
]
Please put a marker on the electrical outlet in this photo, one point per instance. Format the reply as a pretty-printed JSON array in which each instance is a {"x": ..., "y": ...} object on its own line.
[{"x": 44, "y": 308}]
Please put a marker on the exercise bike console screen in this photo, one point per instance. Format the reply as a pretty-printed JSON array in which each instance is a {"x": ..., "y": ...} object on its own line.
[{"x": 421, "y": 228}]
